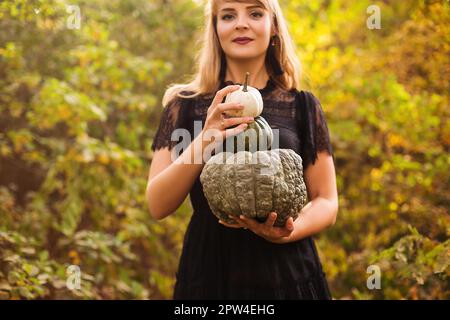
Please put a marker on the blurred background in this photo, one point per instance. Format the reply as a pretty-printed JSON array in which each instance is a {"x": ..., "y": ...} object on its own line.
[{"x": 81, "y": 84}]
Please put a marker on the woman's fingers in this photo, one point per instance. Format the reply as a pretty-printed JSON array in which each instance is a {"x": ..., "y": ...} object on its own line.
[
  {"x": 229, "y": 122},
  {"x": 271, "y": 219},
  {"x": 216, "y": 119},
  {"x": 266, "y": 229},
  {"x": 283, "y": 232},
  {"x": 236, "y": 130},
  {"x": 240, "y": 221},
  {"x": 251, "y": 223},
  {"x": 278, "y": 232},
  {"x": 223, "y": 107},
  {"x": 289, "y": 224},
  {"x": 222, "y": 93}
]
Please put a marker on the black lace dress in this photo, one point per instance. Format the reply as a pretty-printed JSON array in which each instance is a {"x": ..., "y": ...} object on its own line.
[{"x": 218, "y": 262}]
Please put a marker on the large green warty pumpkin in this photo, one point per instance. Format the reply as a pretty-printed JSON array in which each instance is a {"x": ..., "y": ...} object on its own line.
[{"x": 255, "y": 184}]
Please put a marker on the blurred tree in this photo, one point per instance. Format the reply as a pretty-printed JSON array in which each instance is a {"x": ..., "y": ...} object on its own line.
[
  {"x": 385, "y": 93},
  {"x": 78, "y": 110}
]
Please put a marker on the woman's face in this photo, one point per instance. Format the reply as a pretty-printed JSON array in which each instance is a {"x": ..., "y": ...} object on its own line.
[{"x": 243, "y": 20}]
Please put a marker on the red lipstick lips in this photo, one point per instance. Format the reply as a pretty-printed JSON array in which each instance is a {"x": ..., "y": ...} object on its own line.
[{"x": 242, "y": 40}]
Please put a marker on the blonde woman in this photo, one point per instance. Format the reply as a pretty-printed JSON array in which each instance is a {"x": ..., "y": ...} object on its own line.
[{"x": 248, "y": 260}]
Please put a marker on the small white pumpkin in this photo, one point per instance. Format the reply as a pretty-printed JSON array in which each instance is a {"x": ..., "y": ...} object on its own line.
[{"x": 249, "y": 97}]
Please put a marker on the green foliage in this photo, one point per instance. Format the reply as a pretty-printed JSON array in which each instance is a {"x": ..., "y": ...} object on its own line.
[
  {"x": 79, "y": 108},
  {"x": 78, "y": 112},
  {"x": 385, "y": 94}
]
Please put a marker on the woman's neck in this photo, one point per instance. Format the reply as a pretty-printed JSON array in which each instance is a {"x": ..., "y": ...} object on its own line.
[{"x": 236, "y": 70}]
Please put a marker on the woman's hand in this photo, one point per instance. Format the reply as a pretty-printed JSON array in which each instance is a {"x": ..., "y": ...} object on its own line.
[
  {"x": 266, "y": 230},
  {"x": 216, "y": 119}
]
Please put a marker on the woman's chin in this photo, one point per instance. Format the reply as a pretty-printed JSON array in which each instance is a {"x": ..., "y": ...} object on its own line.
[{"x": 242, "y": 55}]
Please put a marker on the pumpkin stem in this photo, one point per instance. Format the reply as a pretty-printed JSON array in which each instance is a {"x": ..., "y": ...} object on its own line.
[{"x": 247, "y": 74}]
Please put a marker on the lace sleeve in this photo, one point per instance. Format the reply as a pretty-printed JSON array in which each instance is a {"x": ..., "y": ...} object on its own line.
[
  {"x": 173, "y": 117},
  {"x": 313, "y": 128}
]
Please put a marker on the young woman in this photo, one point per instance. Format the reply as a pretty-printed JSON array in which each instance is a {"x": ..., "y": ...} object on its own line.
[{"x": 248, "y": 260}]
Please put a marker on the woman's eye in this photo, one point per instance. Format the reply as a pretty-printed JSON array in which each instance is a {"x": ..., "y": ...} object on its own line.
[{"x": 254, "y": 14}]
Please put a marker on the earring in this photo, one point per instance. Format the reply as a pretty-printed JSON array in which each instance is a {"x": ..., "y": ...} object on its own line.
[
  {"x": 273, "y": 40},
  {"x": 273, "y": 60}
]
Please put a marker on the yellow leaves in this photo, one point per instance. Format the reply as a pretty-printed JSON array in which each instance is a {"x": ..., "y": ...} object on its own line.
[
  {"x": 376, "y": 176},
  {"x": 395, "y": 140},
  {"x": 393, "y": 206},
  {"x": 83, "y": 58},
  {"x": 97, "y": 32},
  {"x": 96, "y": 35},
  {"x": 46, "y": 24},
  {"x": 74, "y": 256},
  {"x": 77, "y": 156},
  {"x": 445, "y": 136},
  {"x": 324, "y": 40},
  {"x": 399, "y": 197},
  {"x": 393, "y": 216},
  {"x": 162, "y": 282},
  {"x": 103, "y": 158},
  {"x": 64, "y": 112},
  {"x": 21, "y": 139},
  {"x": 5, "y": 150},
  {"x": 113, "y": 45},
  {"x": 91, "y": 150},
  {"x": 104, "y": 84},
  {"x": 58, "y": 102},
  {"x": 374, "y": 151},
  {"x": 12, "y": 55},
  {"x": 34, "y": 156},
  {"x": 10, "y": 51}
]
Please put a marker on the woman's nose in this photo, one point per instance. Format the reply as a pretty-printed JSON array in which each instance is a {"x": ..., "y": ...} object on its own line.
[{"x": 241, "y": 22}]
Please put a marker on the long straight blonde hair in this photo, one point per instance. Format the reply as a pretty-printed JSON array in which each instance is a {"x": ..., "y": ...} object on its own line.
[{"x": 210, "y": 59}]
